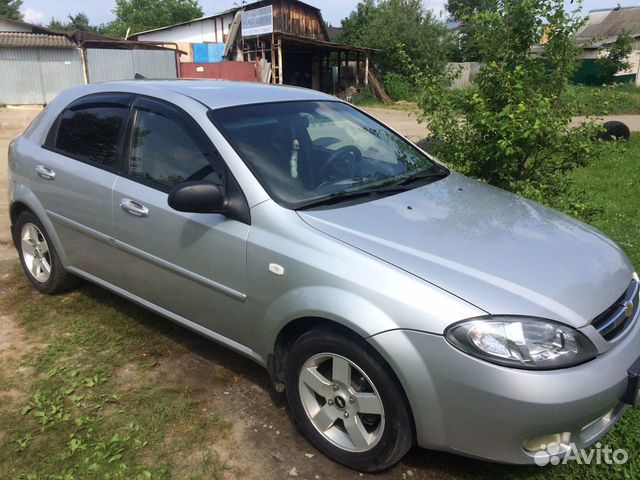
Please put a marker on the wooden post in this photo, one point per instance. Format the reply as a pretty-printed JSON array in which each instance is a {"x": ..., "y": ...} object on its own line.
[
  {"x": 357, "y": 70},
  {"x": 366, "y": 71},
  {"x": 273, "y": 59},
  {"x": 280, "y": 65},
  {"x": 339, "y": 71}
]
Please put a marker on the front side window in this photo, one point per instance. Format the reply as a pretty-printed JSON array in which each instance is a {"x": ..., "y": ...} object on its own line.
[
  {"x": 307, "y": 152},
  {"x": 93, "y": 132},
  {"x": 165, "y": 154}
]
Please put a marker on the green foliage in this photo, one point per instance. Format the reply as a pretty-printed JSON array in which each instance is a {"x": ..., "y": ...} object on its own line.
[
  {"x": 459, "y": 9},
  {"x": 616, "y": 58},
  {"x": 140, "y": 15},
  {"x": 11, "y": 9},
  {"x": 465, "y": 48},
  {"x": 615, "y": 99},
  {"x": 399, "y": 87},
  {"x": 513, "y": 129},
  {"x": 383, "y": 24},
  {"x": 78, "y": 22},
  {"x": 365, "y": 97},
  {"x": 92, "y": 405}
]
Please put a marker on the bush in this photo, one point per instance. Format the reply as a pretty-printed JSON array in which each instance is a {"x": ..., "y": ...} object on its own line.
[
  {"x": 365, "y": 97},
  {"x": 399, "y": 87},
  {"x": 513, "y": 128}
]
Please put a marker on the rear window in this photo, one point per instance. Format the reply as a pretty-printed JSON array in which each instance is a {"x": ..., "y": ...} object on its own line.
[{"x": 92, "y": 133}]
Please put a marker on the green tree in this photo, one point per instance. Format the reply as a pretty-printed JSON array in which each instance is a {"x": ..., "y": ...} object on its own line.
[
  {"x": 79, "y": 22},
  {"x": 465, "y": 48},
  {"x": 11, "y": 9},
  {"x": 384, "y": 24},
  {"x": 616, "y": 58},
  {"x": 459, "y": 9},
  {"x": 140, "y": 15},
  {"x": 513, "y": 128}
]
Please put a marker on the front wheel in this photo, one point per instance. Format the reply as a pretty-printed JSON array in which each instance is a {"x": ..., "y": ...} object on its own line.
[{"x": 347, "y": 402}]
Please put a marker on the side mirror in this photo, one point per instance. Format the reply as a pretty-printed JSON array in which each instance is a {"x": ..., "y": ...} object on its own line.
[{"x": 197, "y": 197}]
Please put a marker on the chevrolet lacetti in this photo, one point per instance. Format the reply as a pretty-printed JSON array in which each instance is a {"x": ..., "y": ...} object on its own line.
[{"x": 396, "y": 301}]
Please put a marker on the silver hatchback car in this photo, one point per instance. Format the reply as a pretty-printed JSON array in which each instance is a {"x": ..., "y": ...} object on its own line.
[{"x": 395, "y": 301}]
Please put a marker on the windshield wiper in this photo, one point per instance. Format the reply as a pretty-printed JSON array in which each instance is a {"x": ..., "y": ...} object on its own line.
[
  {"x": 386, "y": 190},
  {"x": 418, "y": 177},
  {"x": 336, "y": 197}
]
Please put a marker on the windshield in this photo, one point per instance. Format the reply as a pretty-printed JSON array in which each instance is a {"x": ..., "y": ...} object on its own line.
[{"x": 304, "y": 152}]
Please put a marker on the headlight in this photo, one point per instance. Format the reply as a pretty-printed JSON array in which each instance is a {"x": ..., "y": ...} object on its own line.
[{"x": 522, "y": 342}]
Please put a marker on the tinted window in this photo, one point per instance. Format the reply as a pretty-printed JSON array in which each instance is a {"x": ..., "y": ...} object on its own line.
[
  {"x": 93, "y": 132},
  {"x": 164, "y": 153}
]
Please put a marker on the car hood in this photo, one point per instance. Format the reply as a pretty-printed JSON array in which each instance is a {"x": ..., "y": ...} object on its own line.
[{"x": 500, "y": 252}]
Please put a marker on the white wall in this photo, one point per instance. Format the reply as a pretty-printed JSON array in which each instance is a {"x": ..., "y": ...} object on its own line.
[
  {"x": 200, "y": 31},
  {"x": 467, "y": 72}
]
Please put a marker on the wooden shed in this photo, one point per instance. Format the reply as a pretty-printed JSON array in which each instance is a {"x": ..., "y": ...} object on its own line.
[{"x": 287, "y": 40}]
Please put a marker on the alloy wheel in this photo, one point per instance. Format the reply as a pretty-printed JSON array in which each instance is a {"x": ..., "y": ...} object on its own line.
[
  {"x": 341, "y": 402},
  {"x": 35, "y": 252}
]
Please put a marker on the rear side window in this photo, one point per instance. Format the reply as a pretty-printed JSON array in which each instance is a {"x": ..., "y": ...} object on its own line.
[{"x": 93, "y": 130}]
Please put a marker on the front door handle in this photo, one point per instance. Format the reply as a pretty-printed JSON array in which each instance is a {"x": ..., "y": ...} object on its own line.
[
  {"x": 45, "y": 172},
  {"x": 134, "y": 208}
]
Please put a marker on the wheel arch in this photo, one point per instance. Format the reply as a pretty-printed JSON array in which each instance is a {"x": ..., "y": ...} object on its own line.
[
  {"x": 277, "y": 360},
  {"x": 24, "y": 200}
]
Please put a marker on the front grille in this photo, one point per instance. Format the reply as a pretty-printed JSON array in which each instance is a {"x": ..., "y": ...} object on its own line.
[{"x": 615, "y": 319}]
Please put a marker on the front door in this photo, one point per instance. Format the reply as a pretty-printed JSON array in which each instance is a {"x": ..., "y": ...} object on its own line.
[{"x": 191, "y": 265}]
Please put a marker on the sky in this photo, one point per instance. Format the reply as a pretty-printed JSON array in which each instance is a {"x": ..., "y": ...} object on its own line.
[{"x": 100, "y": 11}]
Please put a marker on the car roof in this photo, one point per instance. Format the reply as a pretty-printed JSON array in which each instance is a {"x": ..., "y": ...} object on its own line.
[{"x": 219, "y": 93}]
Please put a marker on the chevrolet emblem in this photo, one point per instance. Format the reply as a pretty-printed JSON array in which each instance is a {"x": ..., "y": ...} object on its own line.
[{"x": 628, "y": 308}]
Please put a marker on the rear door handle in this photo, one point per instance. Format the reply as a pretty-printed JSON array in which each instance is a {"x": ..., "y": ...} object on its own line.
[
  {"x": 45, "y": 172},
  {"x": 134, "y": 208}
]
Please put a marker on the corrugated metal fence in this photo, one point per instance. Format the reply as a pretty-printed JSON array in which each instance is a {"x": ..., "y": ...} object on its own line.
[
  {"x": 37, "y": 75},
  {"x": 111, "y": 64}
]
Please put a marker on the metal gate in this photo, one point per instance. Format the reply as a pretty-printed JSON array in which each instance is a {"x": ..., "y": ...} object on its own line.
[
  {"x": 113, "y": 64},
  {"x": 37, "y": 75}
]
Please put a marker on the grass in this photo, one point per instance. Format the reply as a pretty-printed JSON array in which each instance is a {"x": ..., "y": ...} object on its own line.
[
  {"x": 84, "y": 400},
  {"x": 89, "y": 405},
  {"x": 591, "y": 101},
  {"x": 611, "y": 100}
]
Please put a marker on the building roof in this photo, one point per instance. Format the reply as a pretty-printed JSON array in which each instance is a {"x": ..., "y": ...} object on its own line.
[
  {"x": 604, "y": 26},
  {"x": 26, "y": 40},
  {"x": 34, "y": 28},
  {"x": 233, "y": 10},
  {"x": 179, "y": 24},
  {"x": 334, "y": 32}
]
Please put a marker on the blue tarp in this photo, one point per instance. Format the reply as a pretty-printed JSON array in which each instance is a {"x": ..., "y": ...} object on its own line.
[{"x": 208, "y": 52}]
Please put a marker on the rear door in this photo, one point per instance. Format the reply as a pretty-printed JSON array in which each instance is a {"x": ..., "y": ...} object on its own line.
[
  {"x": 74, "y": 178},
  {"x": 192, "y": 265}
]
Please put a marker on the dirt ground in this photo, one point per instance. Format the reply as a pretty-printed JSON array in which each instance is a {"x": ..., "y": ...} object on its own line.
[{"x": 265, "y": 442}]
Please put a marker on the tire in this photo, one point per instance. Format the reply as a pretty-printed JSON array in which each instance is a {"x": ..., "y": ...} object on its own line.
[
  {"x": 39, "y": 258},
  {"x": 372, "y": 406},
  {"x": 615, "y": 130}
]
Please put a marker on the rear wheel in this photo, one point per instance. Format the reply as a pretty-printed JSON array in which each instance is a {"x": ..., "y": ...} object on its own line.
[
  {"x": 39, "y": 258},
  {"x": 347, "y": 402}
]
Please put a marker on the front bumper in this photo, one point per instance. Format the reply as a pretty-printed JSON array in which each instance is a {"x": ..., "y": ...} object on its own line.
[{"x": 471, "y": 407}]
